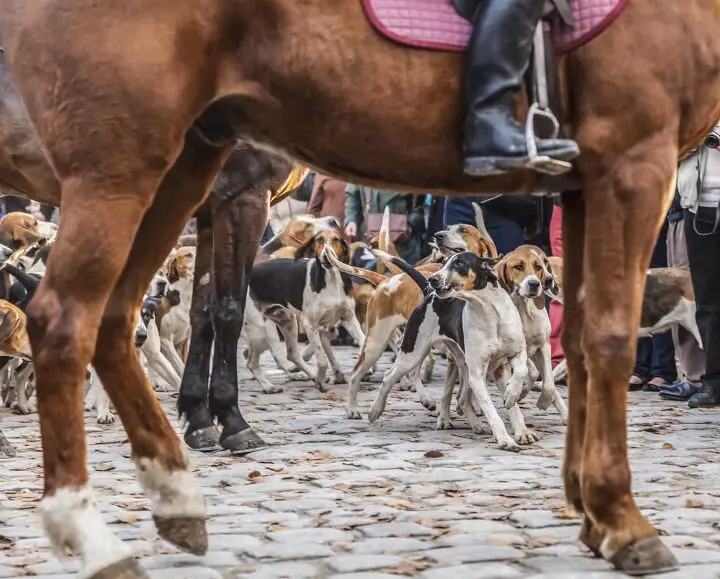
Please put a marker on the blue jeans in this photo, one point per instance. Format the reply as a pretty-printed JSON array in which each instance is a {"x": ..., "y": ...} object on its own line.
[{"x": 506, "y": 234}]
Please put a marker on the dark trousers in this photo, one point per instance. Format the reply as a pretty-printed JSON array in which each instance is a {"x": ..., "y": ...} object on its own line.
[
  {"x": 704, "y": 258},
  {"x": 656, "y": 354},
  {"x": 507, "y": 234}
]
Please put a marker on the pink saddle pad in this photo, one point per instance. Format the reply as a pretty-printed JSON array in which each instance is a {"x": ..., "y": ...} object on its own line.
[{"x": 435, "y": 24}]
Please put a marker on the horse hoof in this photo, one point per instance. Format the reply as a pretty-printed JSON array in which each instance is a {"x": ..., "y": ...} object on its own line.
[
  {"x": 126, "y": 569},
  {"x": 645, "y": 557},
  {"x": 243, "y": 442},
  {"x": 203, "y": 439},
  {"x": 186, "y": 533}
]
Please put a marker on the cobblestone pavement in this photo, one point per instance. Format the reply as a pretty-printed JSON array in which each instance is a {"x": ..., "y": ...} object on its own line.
[{"x": 343, "y": 499}]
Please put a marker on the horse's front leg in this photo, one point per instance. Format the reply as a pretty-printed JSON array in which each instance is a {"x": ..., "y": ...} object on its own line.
[
  {"x": 238, "y": 225},
  {"x": 625, "y": 207},
  {"x": 201, "y": 432}
]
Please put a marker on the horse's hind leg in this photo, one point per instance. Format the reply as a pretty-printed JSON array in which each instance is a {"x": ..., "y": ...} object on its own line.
[
  {"x": 238, "y": 225},
  {"x": 632, "y": 199},
  {"x": 201, "y": 432},
  {"x": 163, "y": 471}
]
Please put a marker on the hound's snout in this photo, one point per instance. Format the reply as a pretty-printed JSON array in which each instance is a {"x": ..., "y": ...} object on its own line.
[
  {"x": 434, "y": 282},
  {"x": 161, "y": 286},
  {"x": 140, "y": 337},
  {"x": 533, "y": 285}
]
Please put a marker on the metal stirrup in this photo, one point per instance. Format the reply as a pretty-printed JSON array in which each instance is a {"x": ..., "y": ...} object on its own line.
[{"x": 541, "y": 107}]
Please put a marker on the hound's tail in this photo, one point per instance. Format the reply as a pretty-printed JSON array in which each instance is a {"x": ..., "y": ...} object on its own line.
[
  {"x": 406, "y": 268},
  {"x": 370, "y": 276},
  {"x": 385, "y": 244}
]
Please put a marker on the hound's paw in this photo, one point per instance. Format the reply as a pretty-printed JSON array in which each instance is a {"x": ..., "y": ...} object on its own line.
[
  {"x": 353, "y": 413},
  {"x": 508, "y": 444},
  {"x": 527, "y": 437},
  {"x": 272, "y": 389},
  {"x": 27, "y": 409},
  {"x": 339, "y": 378},
  {"x": 321, "y": 384},
  {"x": 481, "y": 429},
  {"x": 105, "y": 418},
  {"x": 444, "y": 423},
  {"x": 428, "y": 403},
  {"x": 375, "y": 413},
  {"x": 545, "y": 399},
  {"x": 405, "y": 385},
  {"x": 163, "y": 387}
]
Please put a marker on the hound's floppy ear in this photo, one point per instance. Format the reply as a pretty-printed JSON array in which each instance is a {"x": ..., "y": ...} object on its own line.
[
  {"x": 344, "y": 252},
  {"x": 172, "y": 270},
  {"x": 503, "y": 270},
  {"x": 305, "y": 250}
]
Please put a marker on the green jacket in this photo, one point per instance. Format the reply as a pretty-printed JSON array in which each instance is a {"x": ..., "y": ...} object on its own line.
[{"x": 399, "y": 203}]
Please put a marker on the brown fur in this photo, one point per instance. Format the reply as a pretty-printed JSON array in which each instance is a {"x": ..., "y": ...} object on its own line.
[
  {"x": 113, "y": 116},
  {"x": 14, "y": 339},
  {"x": 21, "y": 228},
  {"x": 514, "y": 267}
]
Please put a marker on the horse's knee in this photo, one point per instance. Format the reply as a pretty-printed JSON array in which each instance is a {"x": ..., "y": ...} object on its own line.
[
  {"x": 56, "y": 331},
  {"x": 609, "y": 349},
  {"x": 229, "y": 314}
]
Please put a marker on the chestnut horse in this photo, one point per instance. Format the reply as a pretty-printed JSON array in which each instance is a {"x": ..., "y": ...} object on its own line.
[{"x": 139, "y": 103}]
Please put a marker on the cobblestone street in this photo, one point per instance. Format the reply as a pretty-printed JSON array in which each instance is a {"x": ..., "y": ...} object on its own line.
[{"x": 339, "y": 498}]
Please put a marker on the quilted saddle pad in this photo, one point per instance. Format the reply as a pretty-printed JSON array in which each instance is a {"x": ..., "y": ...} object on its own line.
[{"x": 435, "y": 24}]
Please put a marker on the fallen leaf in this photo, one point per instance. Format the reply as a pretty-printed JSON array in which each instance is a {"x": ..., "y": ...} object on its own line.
[
  {"x": 333, "y": 396},
  {"x": 434, "y": 454},
  {"x": 254, "y": 474},
  {"x": 128, "y": 518},
  {"x": 668, "y": 446},
  {"x": 272, "y": 527},
  {"x": 563, "y": 513},
  {"x": 694, "y": 503},
  {"x": 340, "y": 547}
]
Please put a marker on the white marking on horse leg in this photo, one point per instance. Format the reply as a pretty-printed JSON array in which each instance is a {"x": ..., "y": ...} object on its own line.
[
  {"x": 74, "y": 525},
  {"x": 172, "y": 494}
]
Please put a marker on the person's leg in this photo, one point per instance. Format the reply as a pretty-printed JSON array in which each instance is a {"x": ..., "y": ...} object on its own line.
[
  {"x": 556, "y": 309},
  {"x": 704, "y": 256},
  {"x": 506, "y": 234},
  {"x": 498, "y": 56},
  {"x": 643, "y": 364},
  {"x": 460, "y": 210}
]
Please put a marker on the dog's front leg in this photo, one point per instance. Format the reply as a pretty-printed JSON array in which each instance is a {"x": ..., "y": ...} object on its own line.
[
  {"x": 404, "y": 364},
  {"x": 167, "y": 347},
  {"x": 477, "y": 381},
  {"x": 451, "y": 374},
  {"x": 313, "y": 335},
  {"x": 543, "y": 362},
  {"x": 523, "y": 435},
  {"x": 338, "y": 376}
]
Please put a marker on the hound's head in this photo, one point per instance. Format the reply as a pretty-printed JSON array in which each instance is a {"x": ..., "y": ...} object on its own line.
[
  {"x": 158, "y": 284},
  {"x": 458, "y": 238},
  {"x": 301, "y": 229},
  {"x": 149, "y": 308},
  {"x": 21, "y": 229},
  {"x": 14, "y": 340},
  {"x": 325, "y": 238},
  {"x": 526, "y": 273},
  {"x": 181, "y": 264},
  {"x": 464, "y": 271}
]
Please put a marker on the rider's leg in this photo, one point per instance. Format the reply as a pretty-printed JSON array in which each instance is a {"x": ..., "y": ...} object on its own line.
[{"x": 499, "y": 55}]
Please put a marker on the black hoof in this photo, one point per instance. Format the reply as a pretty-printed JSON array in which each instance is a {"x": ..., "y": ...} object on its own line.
[
  {"x": 243, "y": 442},
  {"x": 204, "y": 439}
]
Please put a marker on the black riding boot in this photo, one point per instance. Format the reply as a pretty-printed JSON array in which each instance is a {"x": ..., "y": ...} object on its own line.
[{"x": 499, "y": 55}]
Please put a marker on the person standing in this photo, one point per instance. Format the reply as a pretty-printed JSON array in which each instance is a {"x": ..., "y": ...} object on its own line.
[
  {"x": 328, "y": 197},
  {"x": 364, "y": 207},
  {"x": 699, "y": 190}
]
